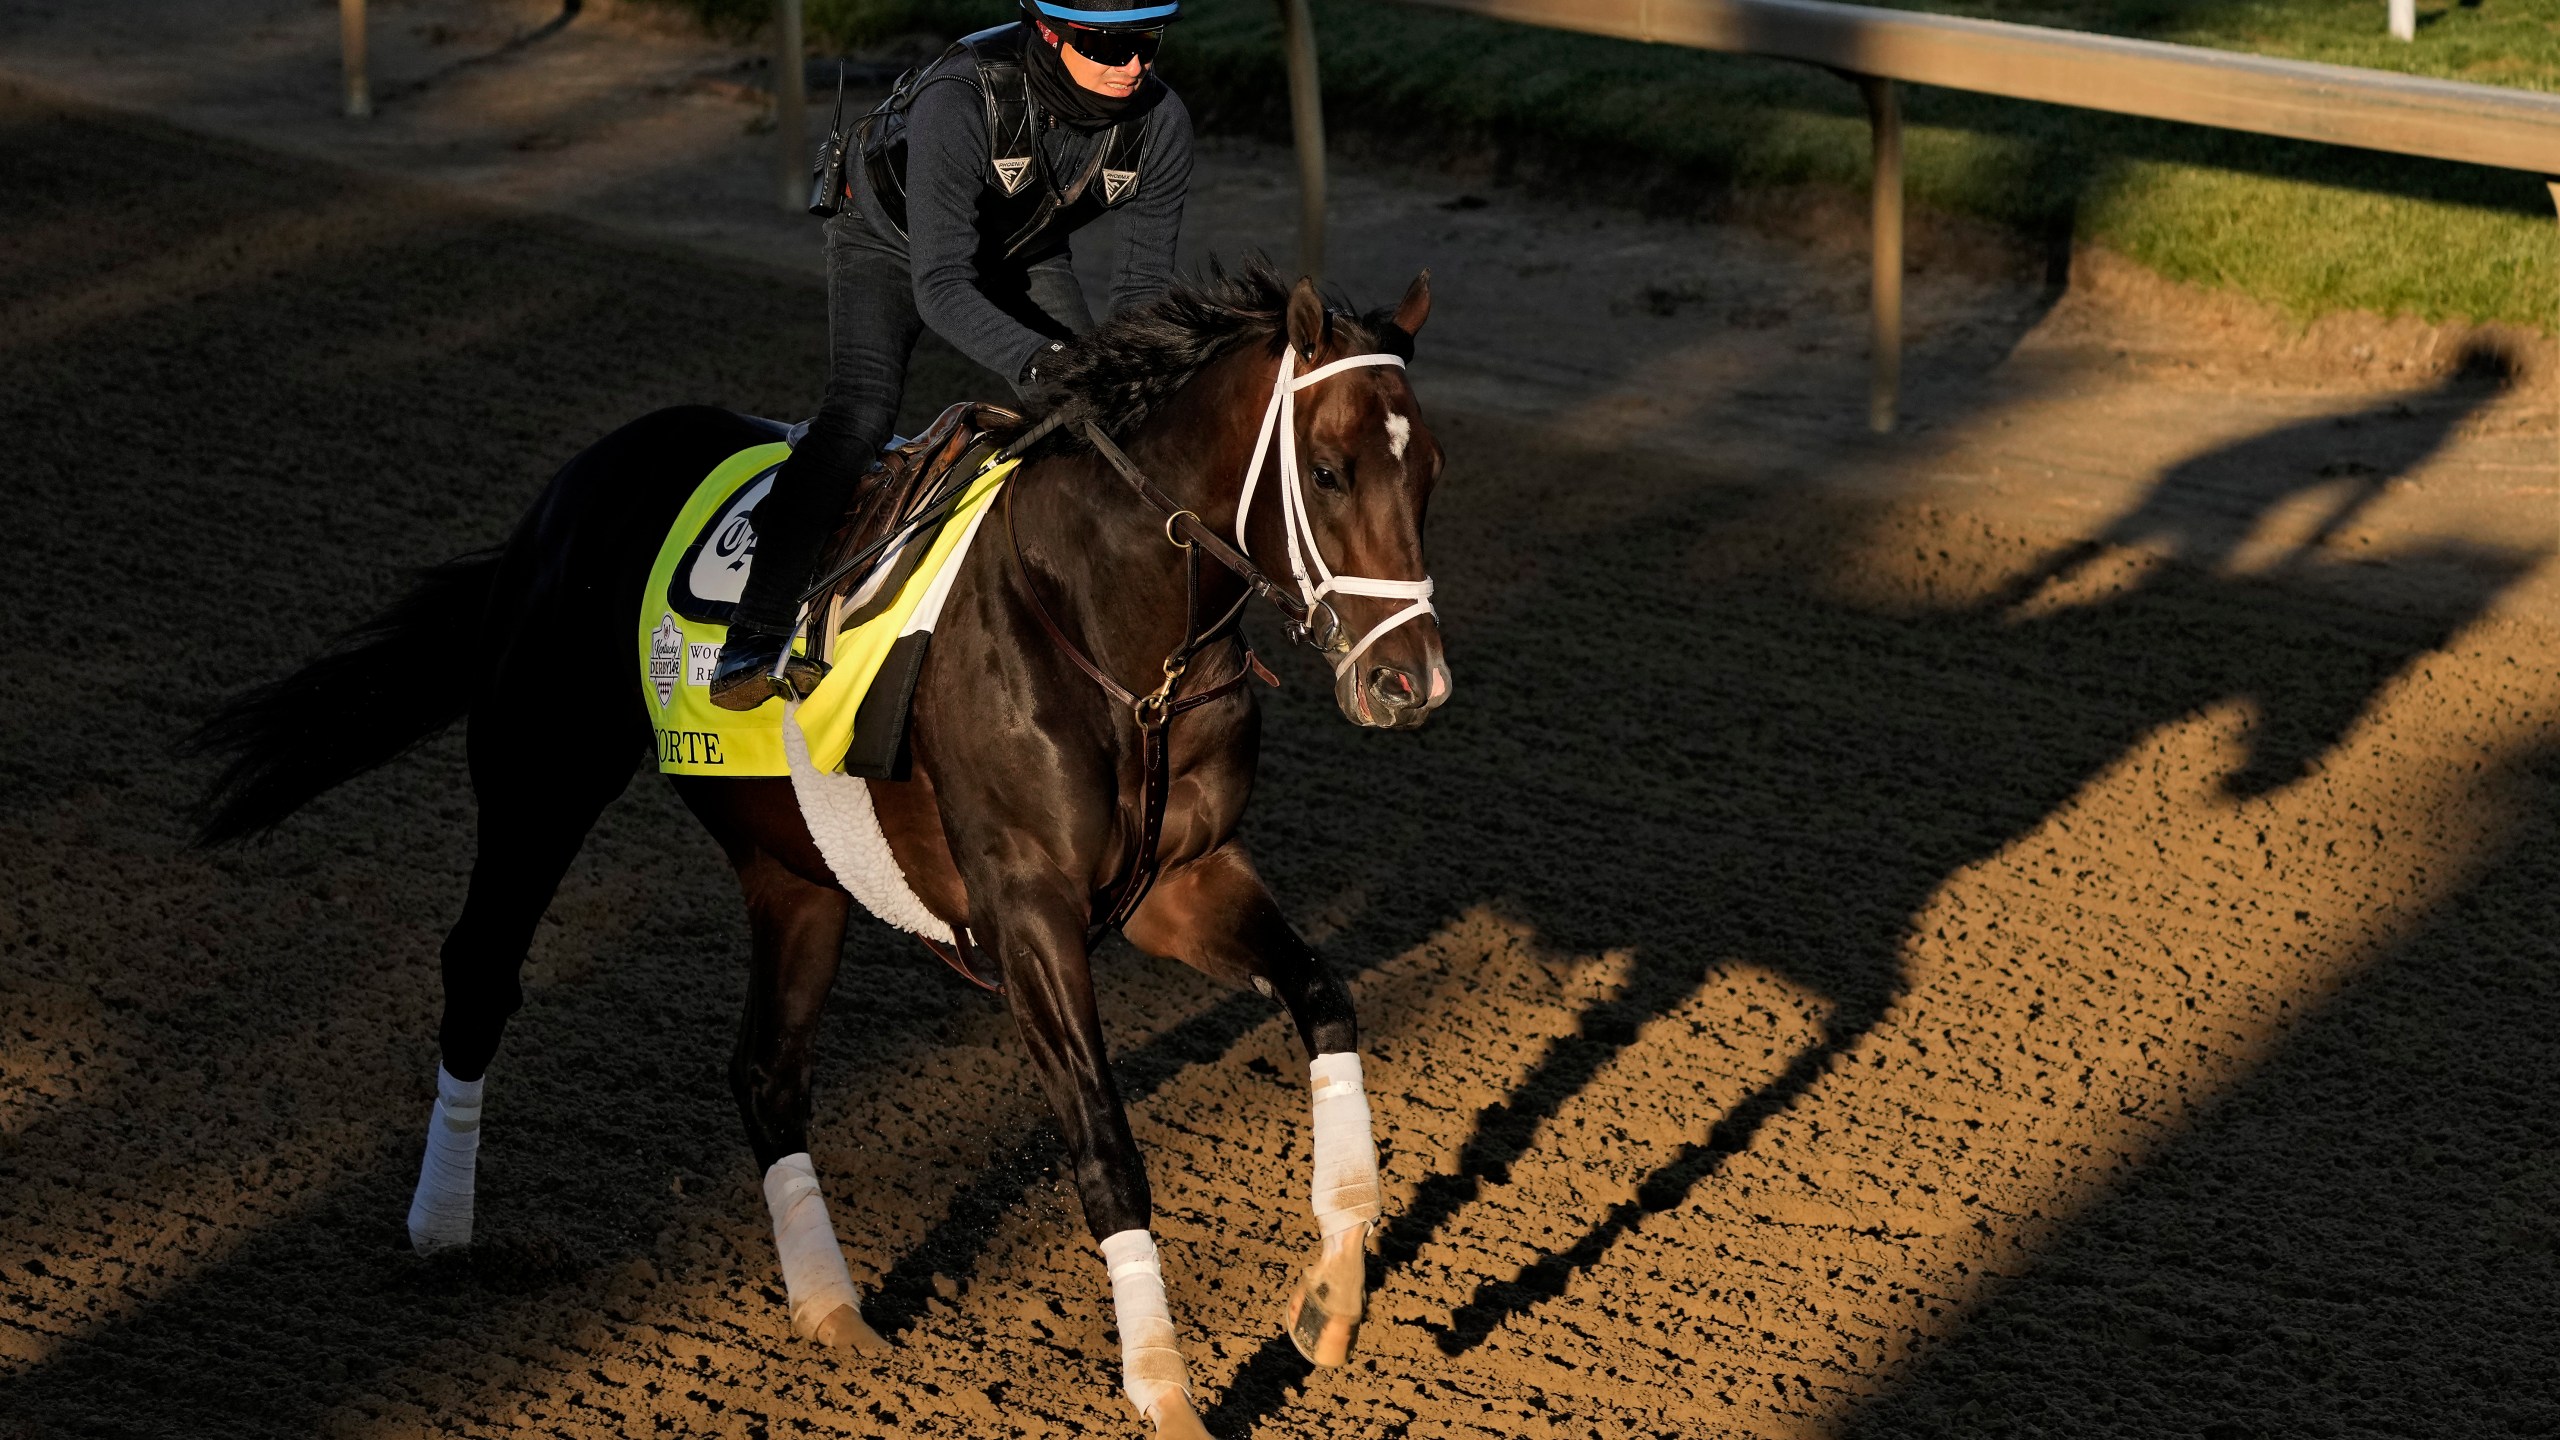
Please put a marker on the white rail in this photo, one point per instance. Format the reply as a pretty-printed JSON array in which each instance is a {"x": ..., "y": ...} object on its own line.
[{"x": 2296, "y": 99}]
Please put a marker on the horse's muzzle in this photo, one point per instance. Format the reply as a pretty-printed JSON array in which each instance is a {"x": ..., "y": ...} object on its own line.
[{"x": 1391, "y": 697}]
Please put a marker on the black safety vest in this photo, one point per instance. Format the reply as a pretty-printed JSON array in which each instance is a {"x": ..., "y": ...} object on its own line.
[{"x": 1036, "y": 207}]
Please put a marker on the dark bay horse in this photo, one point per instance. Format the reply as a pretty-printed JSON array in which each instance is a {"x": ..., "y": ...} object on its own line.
[{"x": 1022, "y": 811}]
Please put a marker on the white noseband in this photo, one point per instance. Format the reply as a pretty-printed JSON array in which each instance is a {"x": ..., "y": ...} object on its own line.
[{"x": 1315, "y": 579}]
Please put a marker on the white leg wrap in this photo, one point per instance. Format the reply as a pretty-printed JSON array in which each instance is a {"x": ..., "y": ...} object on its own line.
[
  {"x": 440, "y": 1212},
  {"x": 1151, "y": 1366},
  {"x": 814, "y": 1276},
  {"x": 1346, "y": 1180}
]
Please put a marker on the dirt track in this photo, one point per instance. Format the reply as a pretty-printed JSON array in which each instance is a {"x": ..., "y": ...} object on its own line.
[{"x": 1846, "y": 962}]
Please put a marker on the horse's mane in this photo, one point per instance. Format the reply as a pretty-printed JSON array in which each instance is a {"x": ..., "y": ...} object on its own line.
[{"x": 1119, "y": 373}]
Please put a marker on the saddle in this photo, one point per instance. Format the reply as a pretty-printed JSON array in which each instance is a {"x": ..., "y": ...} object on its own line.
[{"x": 898, "y": 495}]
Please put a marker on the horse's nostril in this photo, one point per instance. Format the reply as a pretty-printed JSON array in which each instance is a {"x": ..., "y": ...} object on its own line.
[{"x": 1393, "y": 688}]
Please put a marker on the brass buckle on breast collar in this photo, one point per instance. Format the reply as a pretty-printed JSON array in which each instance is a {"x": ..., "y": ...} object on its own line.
[{"x": 1152, "y": 711}]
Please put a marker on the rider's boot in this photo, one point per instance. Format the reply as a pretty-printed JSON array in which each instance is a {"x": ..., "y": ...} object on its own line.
[
  {"x": 809, "y": 495},
  {"x": 744, "y": 678}
]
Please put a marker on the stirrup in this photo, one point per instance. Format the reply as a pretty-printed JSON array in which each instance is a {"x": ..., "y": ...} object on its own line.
[{"x": 744, "y": 678}]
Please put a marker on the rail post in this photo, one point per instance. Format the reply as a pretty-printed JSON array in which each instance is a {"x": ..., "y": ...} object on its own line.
[
  {"x": 2404, "y": 19},
  {"x": 1884, "y": 122},
  {"x": 1306, "y": 124},
  {"x": 359, "y": 92},
  {"x": 790, "y": 107}
]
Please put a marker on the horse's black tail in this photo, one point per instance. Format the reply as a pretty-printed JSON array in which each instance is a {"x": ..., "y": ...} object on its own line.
[{"x": 386, "y": 686}]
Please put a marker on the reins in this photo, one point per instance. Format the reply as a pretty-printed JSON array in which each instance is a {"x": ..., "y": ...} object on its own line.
[
  {"x": 1194, "y": 532},
  {"x": 1197, "y": 537}
]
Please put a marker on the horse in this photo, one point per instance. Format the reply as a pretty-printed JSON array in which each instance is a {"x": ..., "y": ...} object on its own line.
[{"x": 1069, "y": 660}]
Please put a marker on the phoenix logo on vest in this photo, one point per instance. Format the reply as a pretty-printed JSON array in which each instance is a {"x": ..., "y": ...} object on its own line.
[{"x": 737, "y": 542}]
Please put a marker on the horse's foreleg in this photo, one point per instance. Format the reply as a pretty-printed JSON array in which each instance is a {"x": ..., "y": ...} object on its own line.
[
  {"x": 536, "y": 806},
  {"x": 1216, "y": 915},
  {"x": 1038, "y": 932},
  {"x": 798, "y": 936}
]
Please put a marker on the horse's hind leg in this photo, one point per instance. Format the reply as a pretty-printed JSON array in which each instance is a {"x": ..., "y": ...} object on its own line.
[
  {"x": 539, "y": 795},
  {"x": 796, "y": 917},
  {"x": 1216, "y": 915}
]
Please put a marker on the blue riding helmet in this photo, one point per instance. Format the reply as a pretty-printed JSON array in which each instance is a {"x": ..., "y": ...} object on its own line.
[{"x": 1105, "y": 14}]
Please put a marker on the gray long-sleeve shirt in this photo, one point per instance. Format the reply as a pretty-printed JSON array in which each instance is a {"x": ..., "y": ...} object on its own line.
[{"x": 951, "y": 187}]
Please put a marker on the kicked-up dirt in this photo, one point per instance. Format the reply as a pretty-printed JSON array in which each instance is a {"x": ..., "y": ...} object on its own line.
[{"x": 2038, "y": 925}]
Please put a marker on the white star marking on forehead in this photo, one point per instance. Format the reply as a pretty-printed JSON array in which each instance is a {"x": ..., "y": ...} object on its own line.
[{"x": 1399, "y": 434}]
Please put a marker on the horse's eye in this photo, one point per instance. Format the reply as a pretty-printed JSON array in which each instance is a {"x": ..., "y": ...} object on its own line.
[{"x": 1326, "y": 479}]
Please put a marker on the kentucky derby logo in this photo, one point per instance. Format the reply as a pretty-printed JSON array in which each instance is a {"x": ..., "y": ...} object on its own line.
[{"x": 666, "y": 658}]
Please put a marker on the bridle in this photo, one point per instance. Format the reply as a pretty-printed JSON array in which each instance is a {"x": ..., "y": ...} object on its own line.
[
  {"x": 1310, "y": 619},
  {"x": 1306, "y": 561}
]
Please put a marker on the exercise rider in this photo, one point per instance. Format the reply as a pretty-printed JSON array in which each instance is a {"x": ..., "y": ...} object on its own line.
[{"x": 958, "y": 206}]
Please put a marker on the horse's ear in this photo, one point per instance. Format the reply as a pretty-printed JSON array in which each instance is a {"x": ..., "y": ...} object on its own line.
[
  {"x": 1416, "y": 305},
  {"x": 1306, "y": 320}
]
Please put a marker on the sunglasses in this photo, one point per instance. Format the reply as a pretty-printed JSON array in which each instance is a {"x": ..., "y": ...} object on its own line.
[{"x": 1112, "y": 49}]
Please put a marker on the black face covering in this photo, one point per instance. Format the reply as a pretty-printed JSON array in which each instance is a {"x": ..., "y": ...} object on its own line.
[{"x": 1058, "y": 94}]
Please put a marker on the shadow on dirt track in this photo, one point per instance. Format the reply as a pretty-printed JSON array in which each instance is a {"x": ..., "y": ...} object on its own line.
[
  {"x": 1673, "y": 735},
  {"x": 2361, "y": 1238},
  {"x": 1953, "y": 768},
  {"x": 1798, "y": 803}
]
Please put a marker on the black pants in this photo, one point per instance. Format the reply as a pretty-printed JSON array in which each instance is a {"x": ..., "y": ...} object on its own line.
[{"x": 872, "y": 327}]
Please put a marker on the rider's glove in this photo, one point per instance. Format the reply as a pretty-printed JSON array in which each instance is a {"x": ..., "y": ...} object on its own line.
[{"x": 1029, "y": 386}]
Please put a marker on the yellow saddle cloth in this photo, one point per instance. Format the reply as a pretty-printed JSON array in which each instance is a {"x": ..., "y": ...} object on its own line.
[{"x": 855, "y": 721}]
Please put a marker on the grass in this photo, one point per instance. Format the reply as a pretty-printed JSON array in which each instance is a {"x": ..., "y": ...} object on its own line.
[{"x": 2310, "y": 228}]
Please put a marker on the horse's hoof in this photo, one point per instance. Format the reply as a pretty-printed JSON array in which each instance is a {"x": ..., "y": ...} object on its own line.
[
  {"x": 845, "y": 1329},
  {"x": 1324, "y": 1316},
  {"x": 1176, "y": 1420},
  {"x": 1320, "y": 1335}
]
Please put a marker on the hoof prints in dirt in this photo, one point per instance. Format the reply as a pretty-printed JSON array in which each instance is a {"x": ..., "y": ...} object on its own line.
[{"x": 1812, "y": 982}]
